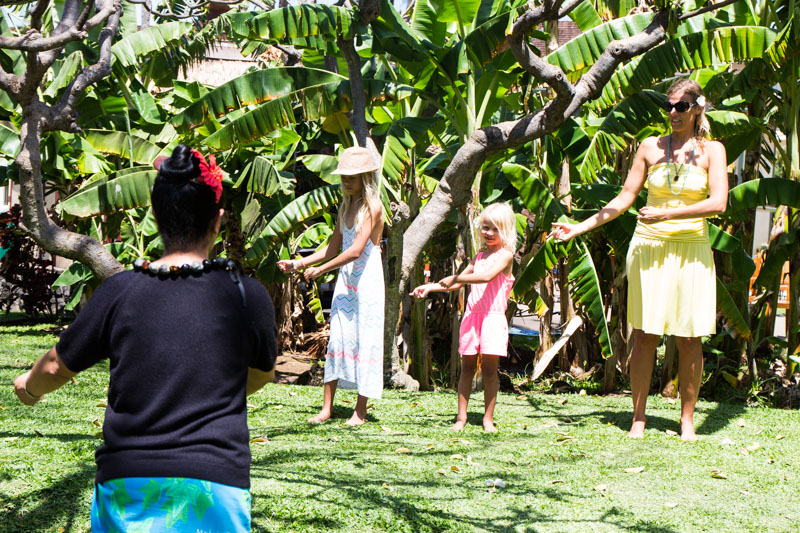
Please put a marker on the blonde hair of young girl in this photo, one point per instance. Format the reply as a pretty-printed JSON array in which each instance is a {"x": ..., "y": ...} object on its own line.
[
  {"x": 702, "y": 128},
  {"x": 371, "y": 200},
  {"x": 502, "y": 217}
]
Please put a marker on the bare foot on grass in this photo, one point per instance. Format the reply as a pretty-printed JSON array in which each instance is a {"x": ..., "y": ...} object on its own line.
[
  {"x": 319, "y": 418},
  {"x": 459, "y": 425},
  {"x": 488, "y": 426},
  {"x": 356, "y": 419},
  {"x": 637, "y": 429},
  {"x": 687, "y": 432}
]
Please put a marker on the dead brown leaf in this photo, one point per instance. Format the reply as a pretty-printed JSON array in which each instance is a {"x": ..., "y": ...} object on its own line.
[
  {"x": 402, "y": 449},
  {"x": 635, "y": 470}
]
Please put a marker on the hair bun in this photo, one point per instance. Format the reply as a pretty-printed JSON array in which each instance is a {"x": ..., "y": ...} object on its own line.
[{"x": 182, "y": 165}]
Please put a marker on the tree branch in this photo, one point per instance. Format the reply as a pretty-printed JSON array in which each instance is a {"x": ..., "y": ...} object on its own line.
[
  {"x": 36, "y": 14},
  {"x": 711, "y": 7},
  {"x": 62, "y": 114},
  {"x": 52, "y": 238},
  {"x": 32, "y": 40},
  {"x": 455, "y": 186}
]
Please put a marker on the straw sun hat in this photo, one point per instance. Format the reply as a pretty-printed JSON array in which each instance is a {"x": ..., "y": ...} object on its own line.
[{"x": 355, "y": 160}]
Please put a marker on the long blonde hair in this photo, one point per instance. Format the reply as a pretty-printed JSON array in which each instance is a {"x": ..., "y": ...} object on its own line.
[
  {"x": 701, "y": 125},
  {"x": 502, "y": 216},
  {"x": 371, "y": 201}
]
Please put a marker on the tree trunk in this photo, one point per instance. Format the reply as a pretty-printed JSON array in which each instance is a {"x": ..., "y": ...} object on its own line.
[{"x": 421, "y": 344}]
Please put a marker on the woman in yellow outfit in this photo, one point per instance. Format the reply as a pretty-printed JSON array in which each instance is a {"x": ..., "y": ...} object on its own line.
[{"x": 670, "y": 266}]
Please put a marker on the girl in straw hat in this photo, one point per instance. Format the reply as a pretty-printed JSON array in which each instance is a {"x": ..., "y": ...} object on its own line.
[{"x": 355, "y": 349}]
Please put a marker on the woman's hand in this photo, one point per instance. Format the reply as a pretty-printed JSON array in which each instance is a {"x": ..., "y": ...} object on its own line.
[
  {"x": 312, "y": 273},
  {"x": 21, "y": 390},
  {"x": 652, "y": 214},
  {"x": 564, "y": 232},
  {"x": 287, "y": 265},
  {"x": 447, "y": 282}
]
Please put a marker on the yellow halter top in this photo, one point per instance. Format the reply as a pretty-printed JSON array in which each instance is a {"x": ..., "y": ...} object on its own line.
[{"x": 690, "y": 187}]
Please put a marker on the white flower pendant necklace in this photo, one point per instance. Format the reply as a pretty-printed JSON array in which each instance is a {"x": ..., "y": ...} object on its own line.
[{"x": 678, "y": 167}]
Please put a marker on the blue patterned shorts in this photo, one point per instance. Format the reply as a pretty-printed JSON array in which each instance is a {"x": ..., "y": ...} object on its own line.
[{"x": 155, "y": 504}]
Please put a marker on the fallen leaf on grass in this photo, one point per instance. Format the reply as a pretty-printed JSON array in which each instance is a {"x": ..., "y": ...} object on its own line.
[
  {"x": 513, "y": 462},
  {"x": 753, "y": 447},
  {"x": 744, "y": 452},
  {"x": 522, "y": 397},
  {"x": 671, "y": 433},
  {"x": 718, "y": 475},
  {"x": 457, "y": 456},
  {"x": 779, "y": 437},
  {"x": 414, "y": 404},
  {"x": 582, "y": 392},
  {"x": 462, "y": 441},
  {"x": 550, "y": 424},
  {"x": 744, "y": 492},
  {"x": 102, "y": 404},
  {"x": 2, "y": 408},
  {"x": 387, "y": 487},
  {"x": 635, "y": 470},
  {"x": 259, "y": 440},
  {"x": 562, "y": 401},
  {"x": 726, "y": 442},
  {"x": 98, "y": 435},
  {"x": 402, "y": 449},
  {"x": 292, "y": 393},
  {"x": 333, "y": 439},
  {"x": 9, "y": 439},
  {"x": 470, "y": 462},
  {"x": 442, "y": 471},
  {"x": 387, "y": 429},
  {"x": 347, "y": 401},
  {"x": 600, "y": 488},
  {"x": 429, "y": 446},
  {"x": 97, "y": 422},
  {"x": 671, "y": 400},
  {"x": 455, "y": 468},
  {"x": 555, "y": 481},
  {"x": 740, "y": 422},
  {"x": 769, "y": 460},
  {"x": 496, "y": 482},
  {"x": 670, "y": 505},
  {"x": 279, "y": 406},
  {"x": 370, "y": 405}
]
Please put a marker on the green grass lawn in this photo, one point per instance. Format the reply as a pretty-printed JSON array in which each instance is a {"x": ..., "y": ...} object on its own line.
[{"x": 562, "y": 460}]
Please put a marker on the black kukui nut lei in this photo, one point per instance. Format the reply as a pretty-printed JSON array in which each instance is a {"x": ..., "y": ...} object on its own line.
[{"x": 195, "y": 268}]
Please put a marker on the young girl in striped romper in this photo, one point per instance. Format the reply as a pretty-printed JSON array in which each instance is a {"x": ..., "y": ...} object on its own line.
[{"x": 484, "y": 328}]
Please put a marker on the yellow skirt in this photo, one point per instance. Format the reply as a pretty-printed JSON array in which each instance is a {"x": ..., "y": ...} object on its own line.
[{"x": 672, "y": 287}]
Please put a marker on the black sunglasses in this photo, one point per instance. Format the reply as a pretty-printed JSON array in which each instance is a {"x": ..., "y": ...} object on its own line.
[{"x": 681, "y": 107}]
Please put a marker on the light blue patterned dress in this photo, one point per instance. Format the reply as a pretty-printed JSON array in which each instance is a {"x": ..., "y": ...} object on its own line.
[{"x": 355, "y": 348}]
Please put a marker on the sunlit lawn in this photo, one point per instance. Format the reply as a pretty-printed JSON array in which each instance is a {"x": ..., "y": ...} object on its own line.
[{"x": 562, "y": 461}]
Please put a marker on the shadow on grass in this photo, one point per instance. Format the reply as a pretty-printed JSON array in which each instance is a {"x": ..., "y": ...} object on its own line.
[
  {"x": 63, "y": 437},
  {"x": 56, "y": 507},
  {"x": 414, "y": 503}
]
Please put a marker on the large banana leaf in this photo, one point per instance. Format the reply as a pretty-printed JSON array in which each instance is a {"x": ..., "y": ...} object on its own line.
[
  {"x": 743, "y": 264},
  {"x": 110, "y": 195},
  {"x": 119, "y": 143},
  {"x": 778, "y": 255},
  {"x": 314, "y": 103},
  {"x": 67, "y": 70},
  {"x": 763, "y": 192},
  {"x": 577, "y": 55},
  {"x": 687, "y": 52},
  {"x": 250, "y": 89},
  {"x": 461, "y": 11},
  {"x": 585, "y": 16},
  {"x": 728, "y": 308},
  {"x": 534, "y": 193},
  {"x": 586, "y": 293},
  {"x": 402, "y": 137},
  {"x": 736, "y": 130},
  {"x": 128, "y": 51},
  {"x": 295, "y": 213},
  {"x": 299, "y": 25}
]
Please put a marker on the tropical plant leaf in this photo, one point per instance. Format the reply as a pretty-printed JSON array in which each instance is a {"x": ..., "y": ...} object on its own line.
[
  {"x": 402, "y": 137},
  {"x": 128, "y": 51},
  {"x": 743, "y": 264},
  {"x": 295, "y": 213},
  {"x": 119, "y": 142},
  {"x": 577, "y": 55},
  {"x": 687, "y": 52},
  {"x": 586, "y": 293},
  {"x": 252, "y": 88},
  {"x": 585, "y": 16},
  {"x": 763, "y": 192},
  {"x": 461, "y": 11},
  {"x": 9, "y": 139},
  {"x": 728, "y": 308},
  {"x": 295, "y": 24},
  {"x": 110, "y": 195}
]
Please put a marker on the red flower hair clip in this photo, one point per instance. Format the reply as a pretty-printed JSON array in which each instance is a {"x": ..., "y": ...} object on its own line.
[{"x": 210, "y": 173}]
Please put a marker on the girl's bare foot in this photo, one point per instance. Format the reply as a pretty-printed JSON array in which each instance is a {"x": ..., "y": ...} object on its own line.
[
  {"x": 459, "y": 425},
  {"x": 687, "y": 432},
  {"x": 637, "y": 429},
  {"x": 356, "y": 419},
  {"x": 319, "y": 418},
  {"x": 488, "y": 426}
]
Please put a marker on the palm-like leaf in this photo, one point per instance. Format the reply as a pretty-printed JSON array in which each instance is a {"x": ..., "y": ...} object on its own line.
[
  {"x": 301, "y": 25},
  {"x": 110, "y": 195},
  {"x": 687, "y": 52},
  {"x": 728, "y": 308},
  {"x": 127, "y": 52},
  {"x": 295, "y": 213},
  {"x": 587, "y": 294},
  {"x": 119, "y": 143},
  {"x": 763, "y": 192}
]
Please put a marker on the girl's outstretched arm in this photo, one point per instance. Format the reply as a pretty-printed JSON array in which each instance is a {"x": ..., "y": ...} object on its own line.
[
  {"x": 323, "y": 254},
  {"x": 355, "y": 250},
  {"x": 423, "y": 290},
  {"x": 501, "y": 264}
]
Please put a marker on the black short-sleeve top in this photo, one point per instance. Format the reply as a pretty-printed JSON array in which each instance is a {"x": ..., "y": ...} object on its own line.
[{"x": 179, "y": 350}]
